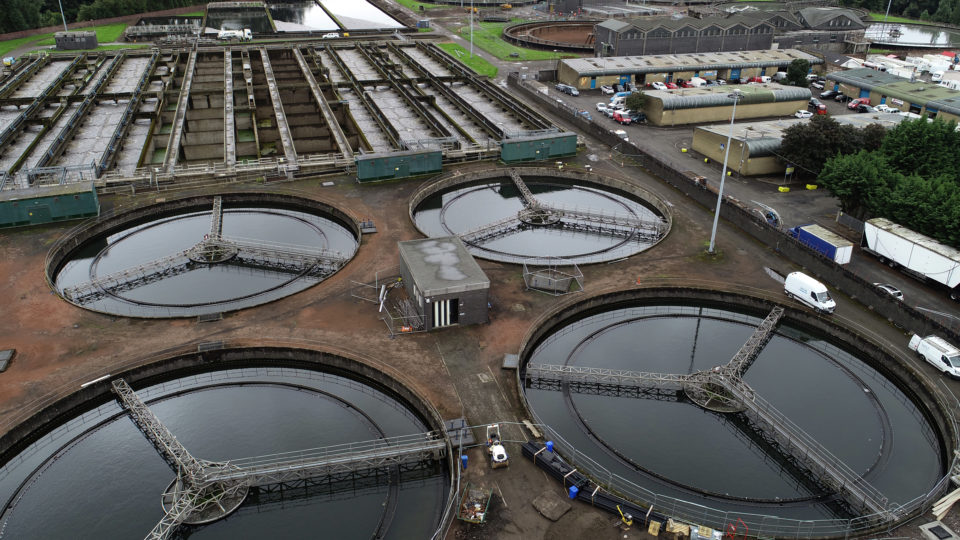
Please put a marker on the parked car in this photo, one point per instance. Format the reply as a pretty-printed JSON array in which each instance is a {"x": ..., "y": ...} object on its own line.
[
  {"x": 721, "y": 81},
  {"x": 601, "y": 107},
  {"x": 608, "y": 112},
  {"x": 814, "y": 104},
  {"x": 622, "y": 134},
  {"x": 886, "y": 109},
  {"x": 803, "y": 114},
  {"x": 606, "y": 89},
  {"x": 672, "y": 86},
  {"x": 330, "y": 35},
  {"x": 812, "y": 77},
  {"x": 939, "y": 352},
  {"x": 861, "y": 108},
  {"x": 854, "y": 103},
  {"x": 567, "y": 89},
  {"x": 828, "y": 94},
  {"x": 817, "y": 84},
  {"x": 889, "y": 289},
  {"x": 638, "y": 117},
  {"x": 622, "y": 117},
  {"x": 658, "y": 85},
  {"x": 841, "y": 98}
]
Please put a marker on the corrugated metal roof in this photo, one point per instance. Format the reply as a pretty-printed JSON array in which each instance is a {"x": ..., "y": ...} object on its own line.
[
  {"x": 918, "y": 92},
  {"x": 666, "y": 63},
  {"x": 719, "y": 96},
  {"x": 865, "y": 78}
]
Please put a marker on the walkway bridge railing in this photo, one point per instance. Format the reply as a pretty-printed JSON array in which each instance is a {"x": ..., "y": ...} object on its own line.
[{"x": 291, "y": 466}]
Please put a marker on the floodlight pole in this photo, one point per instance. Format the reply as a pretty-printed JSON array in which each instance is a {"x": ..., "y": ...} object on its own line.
[
  {"x": 471, "y": 28},
  {"x": 884, "y": 27},
  {"x": 64, "y": 17},
  {"x": 735, "y": 95}
]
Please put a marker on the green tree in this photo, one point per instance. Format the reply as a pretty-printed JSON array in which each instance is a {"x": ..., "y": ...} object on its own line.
[
  {"x": 19, "y": 15},
  {"x": 859, "y": 181},
  {"x": 927, "y": 149},
  {"x": 635, "y": 101},
  {"x": 797, "y": 72}
]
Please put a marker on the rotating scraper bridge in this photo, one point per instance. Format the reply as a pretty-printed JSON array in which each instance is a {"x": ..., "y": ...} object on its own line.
[
  {"x": 723, "y": 391},
  {"x": 538, "y": 213},
  {"x": 172, "y": 116},
  {"x": 205, "y": 491},
  {"x": 214, "y": 248}
]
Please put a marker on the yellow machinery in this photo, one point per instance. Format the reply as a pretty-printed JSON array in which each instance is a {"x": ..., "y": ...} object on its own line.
[{"x": 627, "y": 519}]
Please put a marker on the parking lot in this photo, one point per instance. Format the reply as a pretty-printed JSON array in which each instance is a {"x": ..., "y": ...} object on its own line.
[{"x": 799, "y": 206}]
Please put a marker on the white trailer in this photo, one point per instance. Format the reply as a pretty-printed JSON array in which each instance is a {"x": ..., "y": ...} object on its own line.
[{"x": 917, "y": 254}]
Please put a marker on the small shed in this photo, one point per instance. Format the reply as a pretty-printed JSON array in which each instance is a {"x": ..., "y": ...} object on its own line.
[
  {"x": 445, "y": 282},
  {"x": 72, "y": 41},
  {"x": 45, "y": 204}
]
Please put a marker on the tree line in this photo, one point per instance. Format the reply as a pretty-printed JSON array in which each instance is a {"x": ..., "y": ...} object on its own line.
[
  {"x": 909, "y": 174},
  {"x": 26, "y": 14}
]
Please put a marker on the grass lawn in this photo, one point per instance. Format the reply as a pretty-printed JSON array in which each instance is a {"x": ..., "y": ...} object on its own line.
[
  {"x": 105, "y": 34},
  {"x": 415, "y": 6},
  {"x": 488, "y": 36},
  {"x": 11, "y": 44},
  {"x": 875, "y": 16},
  {"x": 476, "y": 63}
]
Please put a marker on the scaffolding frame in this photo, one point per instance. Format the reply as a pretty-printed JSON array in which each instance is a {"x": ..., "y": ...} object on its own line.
[{"x": 552, "y": 275}]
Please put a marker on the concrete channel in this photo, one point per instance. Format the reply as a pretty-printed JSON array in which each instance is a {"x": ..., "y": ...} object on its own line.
[{"x": 131, "y": 116}]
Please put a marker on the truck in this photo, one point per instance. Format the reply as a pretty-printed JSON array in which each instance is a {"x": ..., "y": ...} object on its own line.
[
  {"x": 239, "y": 35},
  {"x": 496, "y": 451},
  {"x": 916, "y": 254},
  {"x": 824, "y": 242}
]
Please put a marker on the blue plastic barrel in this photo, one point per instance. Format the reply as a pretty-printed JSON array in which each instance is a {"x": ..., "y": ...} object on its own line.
[
  {"x": 463, "y": 462},
  {"x": 549, "y": 446},
  {"x": 573, "y": 492}
]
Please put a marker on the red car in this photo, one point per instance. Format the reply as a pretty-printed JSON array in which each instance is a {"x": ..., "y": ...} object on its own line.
[
  {"x": 672, "y": 86},
  {"x": 859, "y": 101}
]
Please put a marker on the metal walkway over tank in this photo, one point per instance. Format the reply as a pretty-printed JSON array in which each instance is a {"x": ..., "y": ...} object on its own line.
[
  {"x": 536, "y": 213},
  {"x": 214, "y": 248},
  {"x": 205, "y": 491},
  {"x": 722, "y": 390}
]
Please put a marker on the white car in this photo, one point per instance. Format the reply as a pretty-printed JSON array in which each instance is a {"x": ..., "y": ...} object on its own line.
[
  {"x": 803, "y": 114},
  {"x": 601, "y": 107},
  {"x": 886, "y": 109},
  {"x": 606, "y": 89},
  {"x": 331, "y": 35},
  {"x": 658, "y": 86}
]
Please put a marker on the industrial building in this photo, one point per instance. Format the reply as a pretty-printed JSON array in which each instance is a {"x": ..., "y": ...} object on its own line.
[
  {"x": 754, "y": 145},
  {"x": 912, "y": 96},
  {"x": 832, "y": 29},
  {"x": 668, "y": 35},
  {"x": 73, "y": 41},
  {"x": 446, "y": 284},
  {"x": 713, "y": 103},
  {"x": 586, "y": 73}
]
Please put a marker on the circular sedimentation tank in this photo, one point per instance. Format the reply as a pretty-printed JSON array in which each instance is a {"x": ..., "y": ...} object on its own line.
[
  {"x": 710, "y": 464},
  {"x": 575, "y": 36},
  {"x": 550, "y": 214},
  {"x": 84, "y": 458},
  {"x": 203, "y": 254}
]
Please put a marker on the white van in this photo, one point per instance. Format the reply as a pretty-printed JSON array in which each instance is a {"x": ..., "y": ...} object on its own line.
[
  {"x": 938, "y": 352},
  {"x": 809, "y": 291}
]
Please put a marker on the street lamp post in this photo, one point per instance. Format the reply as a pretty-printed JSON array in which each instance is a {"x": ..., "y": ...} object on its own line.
[
  {"x": 64, "y": 17},
  {"x": 735, "y": 96}
]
